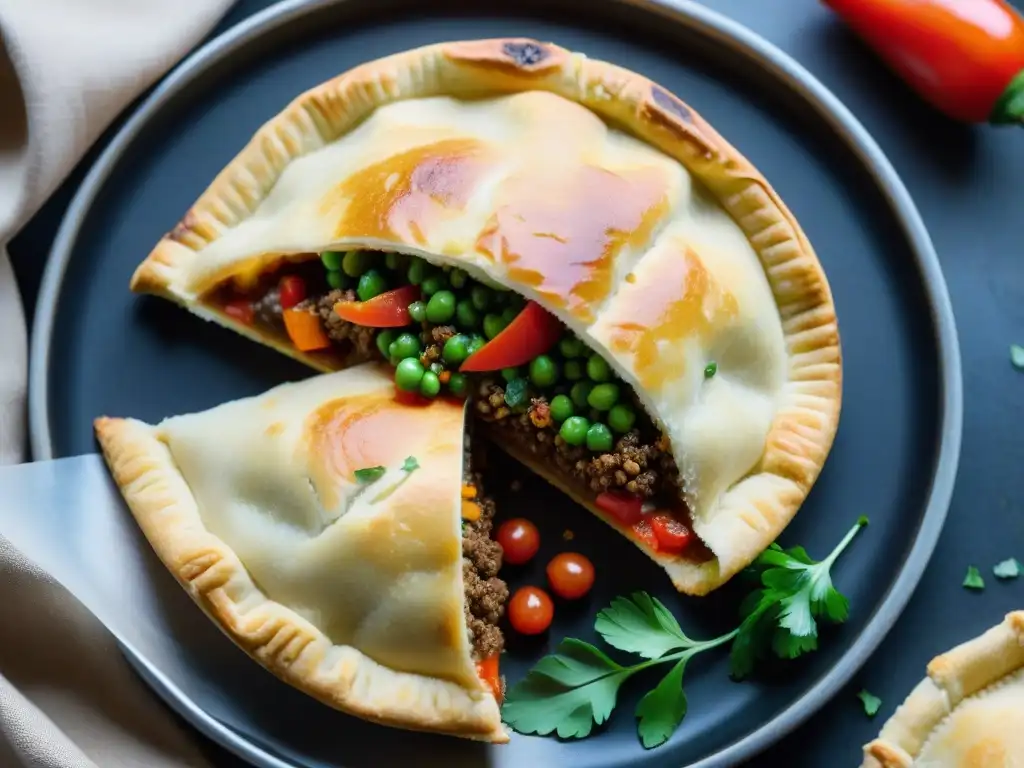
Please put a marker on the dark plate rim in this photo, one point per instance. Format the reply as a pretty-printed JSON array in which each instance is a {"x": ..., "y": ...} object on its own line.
[{"x": 739, "y": 40}]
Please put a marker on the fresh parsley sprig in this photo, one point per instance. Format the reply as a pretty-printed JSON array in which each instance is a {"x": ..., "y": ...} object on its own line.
[
  {"x": 782, "y": 617},
  {"x": 576, "y": 687}
]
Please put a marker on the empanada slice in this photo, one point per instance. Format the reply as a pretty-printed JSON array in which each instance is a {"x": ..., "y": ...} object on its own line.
[
  {"x": 700, "y": 372},
  {"x": 968, "y": 712},
  {"x": 336, "y": 535}
]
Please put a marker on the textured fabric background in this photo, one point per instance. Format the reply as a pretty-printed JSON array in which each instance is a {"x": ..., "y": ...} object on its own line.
[{"x": 67, "y": 68}]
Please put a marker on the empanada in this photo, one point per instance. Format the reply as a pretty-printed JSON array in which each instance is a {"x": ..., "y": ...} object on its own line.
[
  {"x": 700, "y": 366},
  {"x": 318, "y": 525},
  {"x": 968, "y": 712}
]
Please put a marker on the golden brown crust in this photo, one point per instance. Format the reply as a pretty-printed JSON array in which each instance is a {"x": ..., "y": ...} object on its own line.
[
  {"x": 803, "y": 429},
  {"x": 979, "y": 671},
  {"x": 286, "y": 644}
]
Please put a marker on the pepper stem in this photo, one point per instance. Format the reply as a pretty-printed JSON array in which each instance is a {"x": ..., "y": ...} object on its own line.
[{"x": 1009, "y": 107}]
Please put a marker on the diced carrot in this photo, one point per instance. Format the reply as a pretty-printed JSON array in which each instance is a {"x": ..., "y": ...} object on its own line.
[
  {"x": 487, "y": 670},
  {"x": 469, "y": 491},
  {"x": 305, "y": 330},
  {"x": 470, "y": 511}
]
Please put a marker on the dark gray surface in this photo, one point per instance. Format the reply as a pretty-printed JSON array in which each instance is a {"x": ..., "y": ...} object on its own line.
[{"x": 946, "y": 168}]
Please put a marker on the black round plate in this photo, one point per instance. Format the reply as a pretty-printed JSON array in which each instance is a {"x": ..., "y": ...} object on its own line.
[{"x": 101, "y": 350}]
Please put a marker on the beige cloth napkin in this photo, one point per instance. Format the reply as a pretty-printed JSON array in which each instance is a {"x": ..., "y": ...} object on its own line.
[{"x": 67, "y": 68}]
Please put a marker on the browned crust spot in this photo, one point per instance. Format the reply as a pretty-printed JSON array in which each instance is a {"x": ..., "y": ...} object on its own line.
[{"x": 520, "y": 55}]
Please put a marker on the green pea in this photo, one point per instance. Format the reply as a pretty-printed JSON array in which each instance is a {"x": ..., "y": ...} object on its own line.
[
  {"x": 493, "y": 325},
  {"x": 332, "y": 260},
  {"x": 384, "y": 341},
  {"x": 409, "y": 374},
  {"x": 621, "y": 418},
  {"x": 603, "y": 396},
  {"x": 509, "y": 373},
  {"x": 561, "y": 408},
  {"x": 574, "y": 430},
  {"x": 456, "y": 349},
  {"x": 371, "y": 284},
  {"x": 599, "y": 437},
  {"x": 509, "y": 314},
  {"x": 543, "y": 371},
  {"x": 573, "y": 370},
  {"x": 433, "y": 284},
  {"x": 417, "y": 271},
  {"x": 418, "y": 311},
  {"x": 480, "y": 296},
  {"x": 457, "y": 278},
  {"x": 404, "y": 346},
  {"x": 430, "y": 385},
  {"x": 457, "y": 384},
  {"x": 570, "y": 346},
  {"x": 391, "y": 260},
  {"x": 598, "y": 369},
  {"x": 336, "y": 280},
  {"x": 355, "y": 263},
  {"x": 476, "y": 343},
  {"x": 441, "y": 307},
  {"x": 580, "y": 392},
  {"x": 466, "y": 315}
]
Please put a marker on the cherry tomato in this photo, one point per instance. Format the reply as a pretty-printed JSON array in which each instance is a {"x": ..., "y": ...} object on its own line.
[
  {"x": 530, "y": 611},
  {"x": 241, "y": 310},
  {"x": 624, "y": 507},
  {"x": 673, "y": 536},
  {"x": 571, "y": 575},
  {"x": 292, "y": 289},
  {"x": 519, "y": 539}
]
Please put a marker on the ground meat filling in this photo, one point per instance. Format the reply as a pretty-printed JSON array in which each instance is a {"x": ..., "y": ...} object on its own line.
[
  {"x": 641, "y": 462},
  {"x": 486, "y": 594},
  {"x": 362, "y": 339}
]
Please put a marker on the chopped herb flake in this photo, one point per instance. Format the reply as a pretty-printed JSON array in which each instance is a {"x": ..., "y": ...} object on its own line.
[
  {"x": 973, "y": 579},
  {"x": 1008, "y": 569},
  {"x": 710, "y": 369},
  {"x": 1017, "y": 356},
  {"x": 411, "y": 464},
  {"x": 516, "y": 393},
  {"x": 369, "y": 474},
  {"x": 871, "y": 703}
]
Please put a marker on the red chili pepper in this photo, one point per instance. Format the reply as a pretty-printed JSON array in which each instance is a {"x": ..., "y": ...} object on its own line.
[
  {"x": 965, "y": 57},
  {"x": 624, "y": 507},
  {"x": 673, "y": 536},
  {"x": 532, "y": 332},
  {"x": 487, "y": 670},
  {"x": 292, "y": 289},
  {"x": 241, "y": 310},
  {"x": 387, "y": 310}
]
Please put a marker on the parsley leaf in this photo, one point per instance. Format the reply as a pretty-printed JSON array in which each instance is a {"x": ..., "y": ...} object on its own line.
[
  {"x": 871, "y": 703},
  {"x": 567, "y": 692},
  {"x": 369, "y": 474},
  {"x": 641, "y": 624},
  {"x": 1008, "y": 569},
  {"x": 797, "y": 593},
  {"x": 410, "y": 464},
  {"x": 516, "y": 393},
  {"x": 1017, "y": 356},
  {"x": 973, "y": 579},
  {"x": 662, "y": 710}
]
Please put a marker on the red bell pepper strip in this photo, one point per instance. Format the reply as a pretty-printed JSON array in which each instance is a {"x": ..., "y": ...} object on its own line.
[
  {"x": 291, "y": 290},
  {"x": 673, "y": 536},
  {"x": 624, "y": 507},
  {"x": 240, "y": 310},
  {"x": 532, "y": 332},
  {"x": 487, "y": 670},
  {"x": 965, "y": 57},
  {"x": 387, "y": 310}
]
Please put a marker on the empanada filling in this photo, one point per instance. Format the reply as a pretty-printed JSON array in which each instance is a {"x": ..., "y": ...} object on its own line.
[{"x": 565, "y": 404}]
